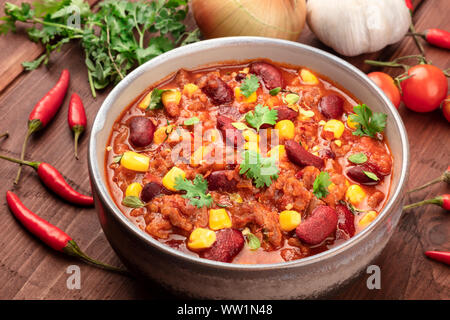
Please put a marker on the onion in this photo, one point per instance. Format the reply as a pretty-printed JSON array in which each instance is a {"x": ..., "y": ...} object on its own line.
[{"x": 268, "y": 18}]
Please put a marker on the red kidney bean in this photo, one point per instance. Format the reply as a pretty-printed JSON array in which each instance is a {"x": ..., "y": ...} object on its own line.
[
  {"x": 218, "y": 180},
  {"x": 331, "y": 106},
  {"x": 269, "y": 74},
  {"x": 151, "y": 190},
  {"x": 218, "y": 91},
  {"x": 141, "y": 132},
  {"x": 234, "y": 136},
  {"x": 357, "y": 174},
  {"x": 240, "y": 76},
  {"x": 229, "y": 242},
  {"x": 318, "y": 226},
  {"x": 285, "y": 113},
  {"x": 298, "y": 155},
  {"x": 346, "y": 220}
]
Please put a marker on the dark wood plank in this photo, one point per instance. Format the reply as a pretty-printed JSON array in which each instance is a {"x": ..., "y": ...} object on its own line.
[{"x": 30, "y": 270}]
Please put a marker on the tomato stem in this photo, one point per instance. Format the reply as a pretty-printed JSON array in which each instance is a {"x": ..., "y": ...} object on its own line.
[{"x": 419, "y": 45}]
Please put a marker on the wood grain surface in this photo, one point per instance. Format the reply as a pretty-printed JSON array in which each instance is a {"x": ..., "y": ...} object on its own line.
[{"x": 29, "y": 270}]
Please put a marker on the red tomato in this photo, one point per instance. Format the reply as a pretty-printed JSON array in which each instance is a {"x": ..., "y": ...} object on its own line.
[
  {"x": 387, "y": 84},
  {"x": 425, "y": 89},
  {"x": 446, "y": 109}
]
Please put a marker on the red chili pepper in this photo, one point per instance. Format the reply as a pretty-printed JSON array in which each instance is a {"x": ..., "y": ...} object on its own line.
[
  {"x": 439, "y": 38},
  {"x": 54, "y": 180},
  {"x": 442, "y": 201},
  {"x": 45, "y": 110},
  {"x": 52, "y": 236},
  {"x": 76, "y": 118},
  {"x": 440, "y": 256},
  {"x": 409, "y": 5},
  {"x": 445, "y": 177}
]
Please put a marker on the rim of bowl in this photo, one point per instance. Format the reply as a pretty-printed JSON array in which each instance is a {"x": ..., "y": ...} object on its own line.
[{"x": 105, "y": 197}]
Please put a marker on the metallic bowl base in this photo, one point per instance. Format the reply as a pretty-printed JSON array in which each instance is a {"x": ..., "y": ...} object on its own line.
[{"x": 310, "y": 277}]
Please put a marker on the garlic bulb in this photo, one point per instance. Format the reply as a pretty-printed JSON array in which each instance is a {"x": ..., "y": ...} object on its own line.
[
  {"x": 352, "y": 27},
  {"x": 282, "y": 19}
]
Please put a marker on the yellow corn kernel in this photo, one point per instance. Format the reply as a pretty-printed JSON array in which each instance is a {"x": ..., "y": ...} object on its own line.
[
  {"x": 219, "y": 219},
  {"x": 338, "y": 143},
  {"x": 279, "y": 152},
  {"x": 135, "y": 161},
  {"x": 199, "y": 155},
  {"x": 245, "y": 70},
  {"x": 322, "y": 122},
  {"x": 252, "y": 146},
  {"x": 201, "y": 238},
  {"x": 308, "y": 77},
  {"x": 286, "y": 129},
  {"x": 169, "y": 179},
  {"x": 367, "y": 219},
  {"x": 236, "y": 197},
  {"x": 351, "y": 124},
  {"x": 335, "y": 126},
  {"x": 355, "y": 194},
  {"x": 171, "y": 97},
  {"x": 250, "y": 136},
  {"x": 133, "y": 190},
  {"x": 289, "y": 220},
  {"x": 331, "y": 187},
  {"x": 146, "y": 101},
  {"x": 189, "y": 89},
  {"x": 241, "y": 97},
  {"x": 162, "y": 133}
]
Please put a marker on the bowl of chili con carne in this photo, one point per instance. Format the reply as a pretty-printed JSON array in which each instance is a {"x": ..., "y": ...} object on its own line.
[{"x": 327, "y": 206}]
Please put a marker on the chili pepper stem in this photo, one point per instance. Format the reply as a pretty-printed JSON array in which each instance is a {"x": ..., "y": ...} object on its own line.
[
  {"x": 445, "y": 177},
  {"x": 33, "y": 126},
  {"x": 34, "y": 165},
  {"x": 72, "y": 249},
  {"x": 4, "y": 135},
  {"x": 437, "y": 201},
  {"x": 77, "y": 132}
]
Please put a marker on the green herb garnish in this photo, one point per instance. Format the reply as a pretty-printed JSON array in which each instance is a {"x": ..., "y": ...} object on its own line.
[
  {"x": 261, "y": 115},
  {"x": 249, "y": 85},
  {"x": 371, "y": 175},
  {"x": 156, "y": 97},
  {"x": 116, "y": 36},
  {"x": 262, "y": 170},
  {"x": 358, "y": 158},
  {"x": 368, "y": 123},
  {"x": 195, "y": 190},
  {"x": 275, "y": 91},
  {"x": 133, "y": 202},
  {"x": 321, "y": 184},
  {"x": 191, "y": 121}
]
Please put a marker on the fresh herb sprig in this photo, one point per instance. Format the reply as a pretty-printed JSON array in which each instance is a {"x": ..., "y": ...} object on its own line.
[
  {"x": 321, "y": 184},
  {"x": 262, "y": 170},
  {"x": 116, "y": 38},
  {"x": 261, "y": 115},
  {"x": 249, "y": 86},
  {"x": 368, "y": 123},
  {"x": 195, "y": 190}
]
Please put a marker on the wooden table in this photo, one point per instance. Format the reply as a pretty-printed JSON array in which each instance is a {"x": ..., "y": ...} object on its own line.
[{"x": 29, "y": 270}]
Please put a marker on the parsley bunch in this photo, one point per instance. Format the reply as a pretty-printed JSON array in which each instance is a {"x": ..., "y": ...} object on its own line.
[
  {"x": 117, "y": 38},
  {"x": 368, "y": 123},
  {"x": 195, "y": 191},
  {"x": 262, "y": 170}
]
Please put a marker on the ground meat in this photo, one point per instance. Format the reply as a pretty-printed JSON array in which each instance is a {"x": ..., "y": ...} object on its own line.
[
  {"x": 376, "y": 152},
  {"x": 158, "y": 226},
  {"x": 375, "y": 199}
]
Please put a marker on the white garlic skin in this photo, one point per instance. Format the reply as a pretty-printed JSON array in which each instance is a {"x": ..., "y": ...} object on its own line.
[{"x": 353, "y": 27}]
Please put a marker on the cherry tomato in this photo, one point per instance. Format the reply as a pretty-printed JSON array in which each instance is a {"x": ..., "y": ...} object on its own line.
[
  {"x": 446, "y": 108},
  {"x": 425, "y": 89},
  {"x": 386, "y": 83}
]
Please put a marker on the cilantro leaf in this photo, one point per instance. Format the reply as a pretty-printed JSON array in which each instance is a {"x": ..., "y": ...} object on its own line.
[
  {"x": 133, "y": 202},
  {"x": 250, "y": 85},
  {"x": 321, "y": 184},
  {"x": 260, "y": 116},
  {"x": 191, "y": 121},
  {"x": 155, "y": 101},
  {"x": 358, "y": 158},
  {"x": 275, "y": 91},
  {"x": 253, "y": 241},
  {"x": 262, "y": 170},
  {"x": 371, "y": 175},
  {"x": 368, "y": 123},
  {"x": 195, "y": 190}
]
